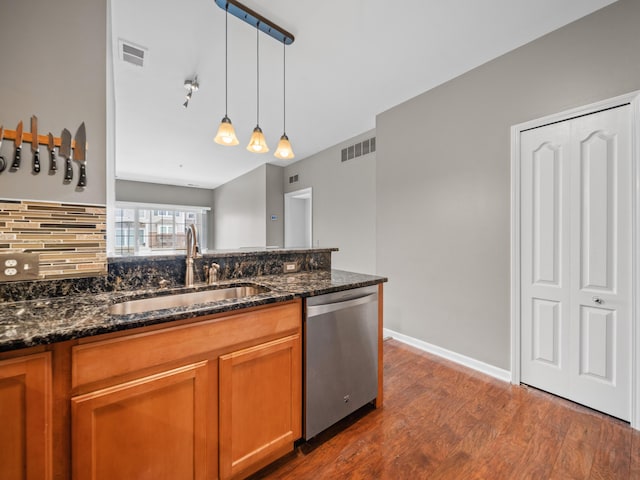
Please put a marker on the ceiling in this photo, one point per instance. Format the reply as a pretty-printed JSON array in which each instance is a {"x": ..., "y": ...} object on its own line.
[{"x": 351, "y": 60}]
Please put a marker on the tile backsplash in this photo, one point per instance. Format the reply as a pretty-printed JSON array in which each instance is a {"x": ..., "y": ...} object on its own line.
[{"x": 70, "y": 238}]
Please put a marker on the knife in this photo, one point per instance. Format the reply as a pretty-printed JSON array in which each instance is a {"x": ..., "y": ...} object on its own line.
[
  {"x": 3, "y": 164},
  {"x": 52, "y": 154},
  {"x": 79, "y": 154},
  {"x": 35, "y": 146},
  {"x": 16, "y": 159},
  {"x": 65, "y": 151}
]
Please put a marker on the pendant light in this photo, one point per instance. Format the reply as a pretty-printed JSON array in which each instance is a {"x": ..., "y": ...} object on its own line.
[
  {"x": 226, "y": 134},
  {"x": 284, "y": 150},
  {"x": 257, "y": 143}
]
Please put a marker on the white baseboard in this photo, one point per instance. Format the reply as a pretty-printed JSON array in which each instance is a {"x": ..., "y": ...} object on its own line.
[{"x": 499, "y": 373}]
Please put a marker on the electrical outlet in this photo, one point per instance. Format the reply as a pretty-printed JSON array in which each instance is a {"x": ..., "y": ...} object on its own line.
[
  {"x": 290, "y": 267},
  {"x": 19, "y": 266}
]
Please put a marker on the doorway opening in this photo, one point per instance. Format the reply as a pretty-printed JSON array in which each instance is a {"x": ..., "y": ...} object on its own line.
[{"x": 298, "y": 218}]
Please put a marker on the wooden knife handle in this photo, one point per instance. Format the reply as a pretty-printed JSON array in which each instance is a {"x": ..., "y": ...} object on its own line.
[
  {"x": 52, "y": 164},
  {"x": 82, "y": 181},
  {"x": 68, "y": 170},
  {"x": 36, "y": 162},
  {"x": 16, "y": 159}
]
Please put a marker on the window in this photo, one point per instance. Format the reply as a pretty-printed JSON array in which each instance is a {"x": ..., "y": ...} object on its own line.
[{"x": 143, "y": 229}]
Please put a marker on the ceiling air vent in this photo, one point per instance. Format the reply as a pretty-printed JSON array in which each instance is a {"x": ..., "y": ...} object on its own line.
[
  {"x": 358, "y": 149},
  {"x": 132, "y": 53}
]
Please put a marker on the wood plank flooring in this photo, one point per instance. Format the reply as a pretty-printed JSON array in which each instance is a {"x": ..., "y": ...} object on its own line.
[{"x": 443, "y": 421}]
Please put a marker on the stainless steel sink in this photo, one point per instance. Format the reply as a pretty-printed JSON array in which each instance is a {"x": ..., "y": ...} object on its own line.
[{"x": 184, "y": 299}]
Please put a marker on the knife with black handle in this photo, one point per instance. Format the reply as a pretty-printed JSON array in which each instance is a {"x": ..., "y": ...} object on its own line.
[
  {"x": 79, "y": 154},
  {"x": 16, "y": 158},
  {"x": 3, "y": 164},
  {"x": 52, "y": 154},
  {"x": 35, "y": 146},
  {"x": 65, "y": 151}
]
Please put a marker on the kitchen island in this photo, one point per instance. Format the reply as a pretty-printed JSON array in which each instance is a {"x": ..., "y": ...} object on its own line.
[{"x": 206, "y": 390}]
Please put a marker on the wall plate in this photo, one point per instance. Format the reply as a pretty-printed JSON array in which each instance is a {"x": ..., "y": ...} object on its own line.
[
  {"x": 290, "y": 267},
  {"x": 19, "y": 266}
]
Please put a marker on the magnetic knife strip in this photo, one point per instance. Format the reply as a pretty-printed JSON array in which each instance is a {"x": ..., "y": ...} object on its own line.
[{"x": 42, "y": 139}]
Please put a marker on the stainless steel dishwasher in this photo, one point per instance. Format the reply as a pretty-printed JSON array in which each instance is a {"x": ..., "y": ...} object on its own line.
[{"x": 341, "y": 356}]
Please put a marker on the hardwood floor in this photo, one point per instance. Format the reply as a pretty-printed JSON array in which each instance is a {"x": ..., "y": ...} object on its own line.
[{"x": 443, "y": 421}]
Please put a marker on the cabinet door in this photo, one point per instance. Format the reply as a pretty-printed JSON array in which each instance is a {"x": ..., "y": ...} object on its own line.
[
  {"x": 260, "y": 405},
  {"x": 151, "y": 428},
  {"x": 25, "y": 418}
]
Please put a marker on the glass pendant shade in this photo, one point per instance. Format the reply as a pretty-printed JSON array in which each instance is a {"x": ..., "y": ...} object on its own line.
[
  {"x": 284, "y": 150},
  {"x": 257, "y": 143},
  {"x": 226, "y": 133}
]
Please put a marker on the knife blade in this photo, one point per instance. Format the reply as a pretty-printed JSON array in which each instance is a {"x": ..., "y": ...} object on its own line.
[
  {"x": 18, "y": 141},
  {"x": 65, "y": 151},
  {"x": 35, "y": 146},
  {"x": 3, "y": 164},
  {"x": 79, "y": 154},
  {"x": 52, "y": 154}
]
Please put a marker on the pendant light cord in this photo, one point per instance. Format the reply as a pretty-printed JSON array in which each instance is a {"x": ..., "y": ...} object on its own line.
[
  {"x": 284, "y": 88},
  {"x": 258, "y": 73},
  {"x": 226, "y": 60}
]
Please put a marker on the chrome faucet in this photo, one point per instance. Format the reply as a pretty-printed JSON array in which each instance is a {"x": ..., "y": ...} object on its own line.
[{"x": 192, "y": 253}]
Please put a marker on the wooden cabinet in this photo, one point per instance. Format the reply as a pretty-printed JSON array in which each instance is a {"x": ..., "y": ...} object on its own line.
[
  {"x": 207, "y": 398},
  {"x": 171, "y": 402},
  {"x": 25, "y": 418},
  {"x": 260, "y": 405},
  {"x": 151, "y": 428}
]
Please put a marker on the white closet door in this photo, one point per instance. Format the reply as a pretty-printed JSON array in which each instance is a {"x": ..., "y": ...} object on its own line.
[{"x": 576, "y": 258}]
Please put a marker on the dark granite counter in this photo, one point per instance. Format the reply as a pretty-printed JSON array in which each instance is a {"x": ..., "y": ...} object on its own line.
[{"x": 44, "y": 321}]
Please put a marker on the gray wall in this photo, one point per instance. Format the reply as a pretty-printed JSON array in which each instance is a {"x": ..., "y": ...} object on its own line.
[
  {"x": 239, "y": 211},
  {"x": 275, "y": 205},
  {"x": 142, "y": 192},
  {"x": 54, "y": 66},
  {"x": 129, "y": 191},
  {"x": 344, "y": 203},
  {"x": 443, "y": 178}
]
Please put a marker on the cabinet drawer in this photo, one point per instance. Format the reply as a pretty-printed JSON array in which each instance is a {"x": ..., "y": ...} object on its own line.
[{"x": 102, "y": 360}]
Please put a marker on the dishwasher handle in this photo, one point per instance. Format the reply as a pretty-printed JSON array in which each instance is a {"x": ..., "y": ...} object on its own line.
[{"x": 316, "y": 310}]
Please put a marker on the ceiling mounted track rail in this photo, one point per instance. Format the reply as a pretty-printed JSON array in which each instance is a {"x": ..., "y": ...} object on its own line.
[{"x": 256, "y": 20}]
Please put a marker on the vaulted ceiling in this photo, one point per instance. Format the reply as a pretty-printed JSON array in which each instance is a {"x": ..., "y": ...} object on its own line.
[{"x": 351, "y": 60}]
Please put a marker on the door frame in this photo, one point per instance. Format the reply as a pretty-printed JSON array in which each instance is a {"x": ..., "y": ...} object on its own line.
[
  {"x": 306, "y": 193},
  {"x": 632, "y": 99}
]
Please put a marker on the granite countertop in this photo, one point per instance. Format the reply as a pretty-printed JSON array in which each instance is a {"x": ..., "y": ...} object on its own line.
[{"x": 38, "y": 322}]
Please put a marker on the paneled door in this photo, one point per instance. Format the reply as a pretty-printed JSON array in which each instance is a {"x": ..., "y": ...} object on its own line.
[{"x": 576, "y": 259}]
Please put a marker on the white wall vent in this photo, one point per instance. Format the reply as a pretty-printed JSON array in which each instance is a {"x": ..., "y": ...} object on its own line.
[
  {"x": 359, "y": 149},
  {"x": 293, "y": 178},
  {"x": 132, "y": 53}
]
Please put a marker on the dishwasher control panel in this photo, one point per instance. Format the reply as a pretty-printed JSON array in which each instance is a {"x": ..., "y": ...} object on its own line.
[{"x": 19, "y": 266}]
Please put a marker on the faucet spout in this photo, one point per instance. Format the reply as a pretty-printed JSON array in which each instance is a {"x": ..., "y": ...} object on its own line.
[{"x": 192, "y": 253}]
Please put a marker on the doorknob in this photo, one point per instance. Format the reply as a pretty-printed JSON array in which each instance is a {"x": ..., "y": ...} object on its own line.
[{"x": 597, "y": 300}]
